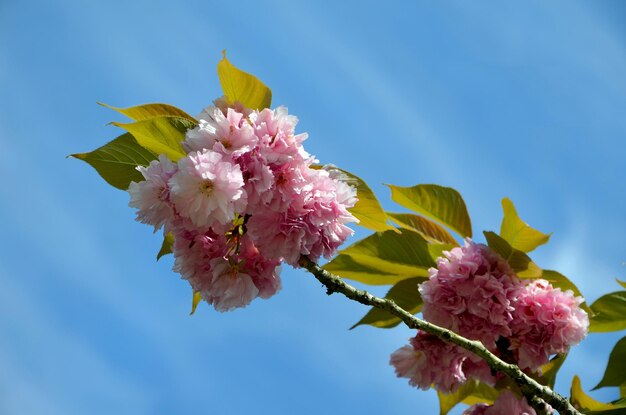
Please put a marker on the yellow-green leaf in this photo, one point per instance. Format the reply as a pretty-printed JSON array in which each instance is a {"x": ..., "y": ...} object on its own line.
[
  {"x": 521, "y": 263},
  {"x": 147, "y": 111},
  {"x": 117, "y": 160},
  {"x": 405, "y": 295},
  {"x": 550, "y": 370},
  {"x": 161, "y": 135},
  {"x": 622, "y": 283},
  {"x": 443, "y": 204},
  {"x": 392, "y": 253},
  {"x": 436, "y": 250},
  {"x": 347, "y": 267},
  {"x": 608, "y": 313},
  {"x": 195, "y": 300},
  {"x": 615, "y": 373},
  {"x": 242, "y": 86},
  {"x": 430, "y": 230},
  {"x": 367, "y": 209},
  {"x": 166, "y": 246},
  {"x": 581, "y": 401},
  {"x": 470, "y": 393},
  {"x": 517, "y": 232}
]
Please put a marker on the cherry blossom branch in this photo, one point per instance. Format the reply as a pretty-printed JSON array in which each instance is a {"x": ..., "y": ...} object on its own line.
[{"x": 536, "y": 393}]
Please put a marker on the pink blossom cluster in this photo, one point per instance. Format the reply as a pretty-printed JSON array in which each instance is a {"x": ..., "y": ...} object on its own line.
[
  {"x": 506, "y": 404},
  {"x": 475, "y": 293},
  {"x": 243, "y": 199}
]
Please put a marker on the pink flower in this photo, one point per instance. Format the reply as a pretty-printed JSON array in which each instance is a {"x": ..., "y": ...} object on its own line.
[
  {"x": 227, "y": 134},
  {"x": 207, "y": 188},
  {"x": 546, "y": 321},
  {"x": 429, "y": 361},
  {"x": 471, "y": 293},
  {"x": 265, "y": 273},
  {"x": 276, "y": 132},
  {"x": 506, "y": 404},
  {"x": 312, "y": 224},
  {"x": 230, "y": 286},
  {"x": 152, "y": 196}
]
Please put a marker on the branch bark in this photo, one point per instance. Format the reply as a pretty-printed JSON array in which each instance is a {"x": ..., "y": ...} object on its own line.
[{"x": 536, "y": 393}]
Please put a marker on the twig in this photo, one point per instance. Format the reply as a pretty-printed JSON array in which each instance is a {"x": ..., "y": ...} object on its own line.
[{"x": 536, "y": 394}]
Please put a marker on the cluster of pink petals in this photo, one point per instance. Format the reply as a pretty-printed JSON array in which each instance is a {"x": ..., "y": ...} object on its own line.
[
  {"x": 471, "y": 292},
  {"x": 242, "y": 200},
  {"x": 475, "y": 293},
  {"x": 546, "y": 321},
  {"x": 429, "y": 361}
]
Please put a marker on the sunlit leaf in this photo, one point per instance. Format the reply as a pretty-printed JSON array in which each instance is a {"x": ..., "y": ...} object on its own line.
[
  {"x": 436, "y": 250},
  {"x": 430, "y": 230},
  {"x": 195, "y": 300},
  {"x": 117, "y": 160},
  {"x": 622, "y": 283},
  {"x": 615, "y": 373},
  {"x": 166, "y": 246},
  {"x": 517, "y": 232},
  {"x": 608, "y": 313},
  {"x": 405, "y": 295},
  {"x": 389, "y": 252},
  {"x": 161, "y": 135},
  {"x": 559, "y": 280},
  {"x": 147, "y": 111},
  {"x": 242, "y": 86},
  {"x": 347, "y": 267},
  {"x": 443, "y": 204},
  {"x": 551, "y": 369},
  {"x": 471, "y": 392},
  {"x": 521, "y": 263},
  {"x": 367, "y": 209},
  {"x": 581, "y": 401}
]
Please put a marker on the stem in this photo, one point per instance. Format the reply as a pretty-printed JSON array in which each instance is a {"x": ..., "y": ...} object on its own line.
[{"x": 536, "y": 393}]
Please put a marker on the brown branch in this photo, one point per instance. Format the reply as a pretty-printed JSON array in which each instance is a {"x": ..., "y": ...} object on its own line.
[{"x": 536, "y": 394}]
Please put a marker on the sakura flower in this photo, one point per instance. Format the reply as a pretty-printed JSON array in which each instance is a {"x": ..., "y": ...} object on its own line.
[
  {"x": 430, "y": 361},
  {"x": 276, "y": 132},
  {"x": 471, "y": 292},
  {"x": 313, "y": 224},
  {"x": 546, "y": 321},
  {"x": 207, "y": 188},
  {"x": 230, "y": 287},
  {"x": 151, "y": 197},
  {"x": 227, "y": 133}
]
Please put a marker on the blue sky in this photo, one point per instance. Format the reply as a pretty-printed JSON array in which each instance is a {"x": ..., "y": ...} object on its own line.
[{"x": 517, "y": 99}]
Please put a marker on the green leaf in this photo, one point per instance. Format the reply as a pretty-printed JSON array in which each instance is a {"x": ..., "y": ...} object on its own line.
[
  {"x": 581, "y": 401},
  {"x": 517, "y": 232},
  {"x": 405, "y": 295},
  {"x": 521, "y": 263},
  {"x": 161, "y": 135},
  {"x": 430, "y": 230},
  {"x": 470, "y": 392},
  {"x": 117, "y": 160},
  {"x": 442, "y": 204},
  {"x": 615, "y": 373},
  {"x": 551, "y": 369},
  {"x": 608, "y": 313},
  {"x": 367, "y": 209},
  {"x": 622, "y": 283},
  {"x": 147, "y": 111},
  {"x": 243, "y": 87},
  {"x": 195, "y": 300},
  {"x": 347, "y": 267},
  {"x": 166, "y": 247},
  {"x": 391, "y": 253},
  {"x": 436, "y": 250}
]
